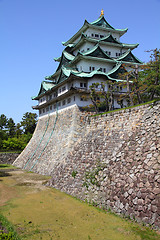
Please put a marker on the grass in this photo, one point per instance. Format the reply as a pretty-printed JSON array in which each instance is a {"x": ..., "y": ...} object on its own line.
[
  {"x": 38, "y": 212},
  {"x": 11, "y": 233},
  {"x": 99, "y": 114},
  {"x": 6, "y": 166},
  {"x": 2, "y": 151}
]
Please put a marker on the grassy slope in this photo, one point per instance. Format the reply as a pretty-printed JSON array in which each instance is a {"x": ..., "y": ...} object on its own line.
[{"x": 38, "y": 212}]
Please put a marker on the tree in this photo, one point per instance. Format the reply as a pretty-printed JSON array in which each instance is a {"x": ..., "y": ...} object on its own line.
[
  {"x": 134, "y": 84},
  {"x": 18, "y": 130},
  {"x": 28, "y": 122},
  {"x": 94, "y": 95},
  {"x": 3, "y": 121},
  {"x": 151, "y": 74},
  {"x": 10, "y": 127}
]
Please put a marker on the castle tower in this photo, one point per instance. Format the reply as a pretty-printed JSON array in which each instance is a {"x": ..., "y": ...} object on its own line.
[{"x": 94, "y": 54}]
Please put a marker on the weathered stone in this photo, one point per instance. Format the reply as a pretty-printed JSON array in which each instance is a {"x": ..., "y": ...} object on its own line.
[{"x": 119, "y": 152}]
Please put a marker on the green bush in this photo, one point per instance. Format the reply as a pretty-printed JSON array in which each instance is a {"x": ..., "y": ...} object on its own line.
[
  {"x": 16, "y": 144},
  {"x": 6, "y": 236},
  {"x": 11, "y": 233}
]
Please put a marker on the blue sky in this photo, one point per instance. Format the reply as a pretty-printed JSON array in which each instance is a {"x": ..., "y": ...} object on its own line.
[{"x": 32, "y": 31}]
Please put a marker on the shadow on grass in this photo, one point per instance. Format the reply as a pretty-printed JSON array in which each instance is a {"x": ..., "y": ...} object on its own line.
[{"x": 4, "y": 174}]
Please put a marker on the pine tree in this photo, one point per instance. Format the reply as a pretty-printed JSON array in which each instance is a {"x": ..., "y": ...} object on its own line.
[{"x": 151, "y": 74}]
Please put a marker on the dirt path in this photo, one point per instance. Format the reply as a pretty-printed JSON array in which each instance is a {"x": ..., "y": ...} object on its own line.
[{"x": 39, "y": 212}]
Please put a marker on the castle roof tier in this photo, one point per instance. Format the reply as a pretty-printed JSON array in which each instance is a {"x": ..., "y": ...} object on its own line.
[
  {"x": 107, "y": 40},
  {"x": 99, "y": 24}
]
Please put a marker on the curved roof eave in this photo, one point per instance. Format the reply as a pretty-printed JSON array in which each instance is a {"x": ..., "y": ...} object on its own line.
[
  {"x": 86, "y": 53},
  {"x": 120, "y": 31},
  {"x": 131, "y": 46},
  {"x": 126, "y": 54},
  {"x": 77, "y": 34}
]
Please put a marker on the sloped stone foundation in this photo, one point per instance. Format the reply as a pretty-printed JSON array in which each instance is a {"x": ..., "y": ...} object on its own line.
[{"x": 111, "y": 160}]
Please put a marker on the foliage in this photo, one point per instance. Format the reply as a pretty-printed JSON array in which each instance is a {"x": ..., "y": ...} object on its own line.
[
  {"x": 142, "y": 83},
  {"x": 28, "y": 122},
  {"x": 151, "y": 74},
  {"x": 11, "y": 233},
  {"x": 101, "y": 97},
  {"x": 10, "y": 127},
  {"x": 16, "y": 143},
  {"x": 74, "y": 173},
  {"x": 153, "y": 101},
  {"x": 3, "y": 121},
  {"x": 12, "y": 136},
  {"x": 92, "y": 175}
]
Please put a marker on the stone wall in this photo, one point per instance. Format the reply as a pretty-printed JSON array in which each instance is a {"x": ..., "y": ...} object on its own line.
[
  {"x": 52, "y": 140},
  {"x": 111, "y": 160},
  {"x": 8, "y": 158}
]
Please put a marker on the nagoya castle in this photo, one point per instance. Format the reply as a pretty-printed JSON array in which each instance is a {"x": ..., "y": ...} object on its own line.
[
  {"x": 111, "y": 160},
  {"x": 94, "y": 54}
]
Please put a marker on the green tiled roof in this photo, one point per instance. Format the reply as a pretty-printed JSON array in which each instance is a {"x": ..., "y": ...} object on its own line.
[
  {"x": 96, "y": 51},
  {"x": 118, "y": 69},
  {"x": 45, "y": 86},
  {"x": 110, "y": 39},
  {"x": 107, "y": 40},
  {"x": 129, "y": 57},
  {"x": 101, "y": 21},
  {"x": 65, "y": 59}
]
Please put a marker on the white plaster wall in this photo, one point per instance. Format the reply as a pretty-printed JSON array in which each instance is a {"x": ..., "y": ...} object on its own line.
[
  {"x": 104, "y": 32},
  {"x": 104, "y": 47},
  {"x": 84, "y": 47},
  {"x": 82, "y": 103},
  {"x": 86, "y": 64},
  {"x": 42, "y": 100},
  {"x": 62, "y": 92}
]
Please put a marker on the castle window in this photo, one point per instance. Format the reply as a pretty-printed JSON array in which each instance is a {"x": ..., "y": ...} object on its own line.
[
  {"x": 50, "y": 97},
  {"x": 83, "y": 85},
  {"x": 88, "y": 48},
  {"x": 91, "y": 68},
  {"x": 59, "y": 104},
  {"x": 118, "y": 54},
  {"x": 74, "y": 98},
  {"x": 63, "y": 102},
  {"x": 92, "y": 35},
  {"x": 51, "y": 107},
  {"x": 54, "y": 106},
  {"x": 63, "y": 88},
  {"x": 60, "y": 90},
  {"x": 68, "y": 100},
  {"x": 121, "y": 88},
  {"x": 55, "y": 94},
  {"x": 47, "y": 109},
  {"x": 43, "y": 110},
  {"x": 97, "y": 35},
  {"x": 101, "y": 36},
  {"x": 40, "y": 111},
  {"x": 108, "y": 52}
]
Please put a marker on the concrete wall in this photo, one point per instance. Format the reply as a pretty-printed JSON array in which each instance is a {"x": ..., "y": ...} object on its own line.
[{"x": 112, "y": 160}]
